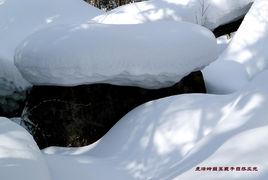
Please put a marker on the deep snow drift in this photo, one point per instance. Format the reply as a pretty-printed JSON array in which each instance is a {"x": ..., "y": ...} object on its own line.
[
  {"x": 20, "y": 158},
  {"x": 18, "y": 19},
  {"x": 150, "y": 55},
  {"x": 209, "y": 13},
  {"x": 170, "y": 137},
  {"x": 223, "y": 42},
  {"x": 246, "y": 55}
]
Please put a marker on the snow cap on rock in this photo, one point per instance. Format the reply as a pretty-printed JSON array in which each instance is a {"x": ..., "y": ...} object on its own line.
[
  {"x": 209, "y": 13},
  {"x": 18, "y": 19},
  {"x": 151, "y": 55}
]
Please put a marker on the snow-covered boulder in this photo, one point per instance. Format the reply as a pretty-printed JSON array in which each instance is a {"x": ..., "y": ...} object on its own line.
[
  {"x": 18, "y": 19},
  {"x": 209, "y": 13},
  {"x": 20, "y": 158},
  {"x": 151, "y": 55},
  {"x": 171, "y": 137},
  {"x": 246, "y": 55}
]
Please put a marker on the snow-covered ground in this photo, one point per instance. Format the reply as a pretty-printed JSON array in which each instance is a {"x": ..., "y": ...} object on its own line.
[
  {"x": 170, "y": 137},
  {"x": 163, "y": 139},
  {"x": 167, "y": 138},
  {"x": 20, "y": 157},
  {"x": 151, "y": 55},
  {"x": 246, "y": 55},
  {"x": 18, "y": 19},
  {"x": 210, "y": 13}
]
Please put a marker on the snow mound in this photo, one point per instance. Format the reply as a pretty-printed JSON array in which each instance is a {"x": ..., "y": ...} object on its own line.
[
  {"x": 210, "y": 13},
  {"x": 168, "y": 138},
  {"x": 20, "y": 158},
  {"x": 150, "y": 55},
  {"x": 246, "y": 55},
  {"x": 223, "y": 42},
  {"x": 18, "y": 19}
]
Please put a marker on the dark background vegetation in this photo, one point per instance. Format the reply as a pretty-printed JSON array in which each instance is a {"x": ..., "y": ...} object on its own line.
[{"x": 109, "y": 4}]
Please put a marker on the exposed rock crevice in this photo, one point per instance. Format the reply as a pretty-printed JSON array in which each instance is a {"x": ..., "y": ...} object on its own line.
[{"x": 80, "y": 115}]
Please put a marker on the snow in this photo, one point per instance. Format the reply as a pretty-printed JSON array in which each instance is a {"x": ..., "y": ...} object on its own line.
[
  {"x": 162, "y": 139},
  {"x": 210, "y": 13},
  {"x": 20, "y": 158},
  {"x": 151, "y": 55},
  {"x": 223, "y": 42},
  {"x": 168, "y": 138},
  {"x": 18, "y": 19},
  {"x": 246, "y": 55}
]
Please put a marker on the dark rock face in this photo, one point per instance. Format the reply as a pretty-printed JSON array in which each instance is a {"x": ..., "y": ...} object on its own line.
[
  {"x": 228, "y": 28},
  {"x": 77, "y": 116},
  {"x": 12, "y": 105}
]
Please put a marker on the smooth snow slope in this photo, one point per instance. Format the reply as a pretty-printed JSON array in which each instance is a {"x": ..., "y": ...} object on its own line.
[
  {"x": 168, "y": 138},
  {"x": 20, "y": 158},
  {"x": 246, "y": 55},
  {"x": 20, "y": 18},
  {"x": 150, "y": 55},
  {"x": 223, "y": 42},
  {"x": 210, "y": 13}
]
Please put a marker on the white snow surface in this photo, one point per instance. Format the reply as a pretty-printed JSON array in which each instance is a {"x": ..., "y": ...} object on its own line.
[
  {"x": 246, "y": 55},
  {"x": 18, "y": 19},
  {"x": 162, "y": 139},
  {"x": 209, "y": 13},
  {"x": 168, "y": 138},
  {"x": 151, "y": 55},
  {"x": 20, "y": 158},
  {"x": 223, "y": 42}
]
